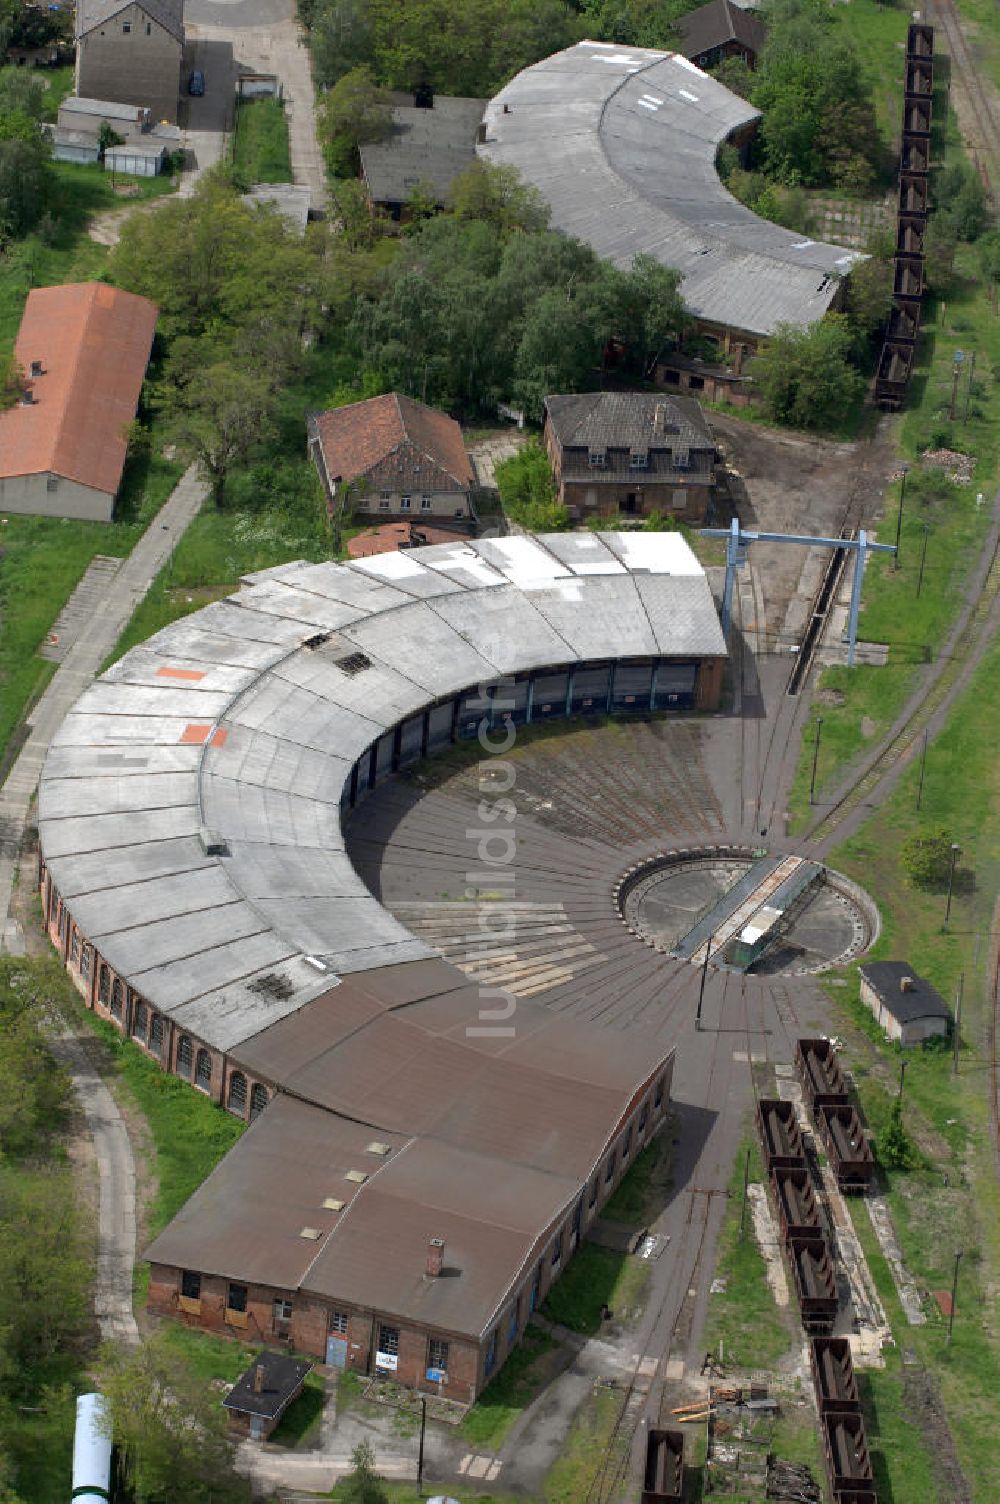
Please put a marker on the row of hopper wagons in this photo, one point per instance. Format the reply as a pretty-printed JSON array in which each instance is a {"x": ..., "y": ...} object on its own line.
[{"x": 842, "y": 1426}]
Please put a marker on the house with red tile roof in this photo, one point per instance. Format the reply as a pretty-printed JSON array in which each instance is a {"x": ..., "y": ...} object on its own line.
[
  {"x": 392, "y": 458},
  {"x": 83, "y": 349}
]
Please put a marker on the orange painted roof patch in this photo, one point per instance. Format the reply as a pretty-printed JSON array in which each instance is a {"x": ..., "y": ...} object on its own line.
[
  {"x": 179, "y": 673},
  {"x": 194, "y": 734},
  {"x": 219, "y": 739}
]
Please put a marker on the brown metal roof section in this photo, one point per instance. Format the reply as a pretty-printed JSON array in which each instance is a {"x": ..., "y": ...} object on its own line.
[
  {"x": 91, "y": 343},
  {"x": 247, "y": 1219},
  {"x": 357, "y": 437}
]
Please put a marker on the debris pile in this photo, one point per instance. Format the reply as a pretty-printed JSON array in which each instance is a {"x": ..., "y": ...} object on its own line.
[
  {"x": 792, "y": 1483},
  {"x": 957, "y": 467}
]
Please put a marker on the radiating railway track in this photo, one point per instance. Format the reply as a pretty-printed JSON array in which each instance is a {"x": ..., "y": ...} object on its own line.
[{"x": 985, "y": 143}]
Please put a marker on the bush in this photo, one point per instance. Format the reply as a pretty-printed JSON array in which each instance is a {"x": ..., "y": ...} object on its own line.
[
  {"x": 895, "y": 1151},
  {"x": 528, "y": 491},
  {"x": 925, "y": 857}
]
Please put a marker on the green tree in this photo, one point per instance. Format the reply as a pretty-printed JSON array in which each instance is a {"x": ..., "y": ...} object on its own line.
[
  {"x": 216, "y": 408},
  {"x": 989, "y": 255},
  {"x": 895, "y": 1151},
  {"x": 959, "y": 196},
  {"x": 734, "y": 75},
  {"x": 169, "y": 1426},
  {"x": 342, "y": 34},
  {"x": 44, "y": 1273},
  {"x": 362, "y": 1485},
  {"x": 528, "y": 491},
  {"x": 496, "y": 195},
  {"x": 645, "y": 309},
  {"x": 925, "y": 857},
  {"x": 940, "y": 246},
  {"x": 354, "y": 112},
  {"x": 869, "y": 287},
  {"x": 806, "y": 376}
]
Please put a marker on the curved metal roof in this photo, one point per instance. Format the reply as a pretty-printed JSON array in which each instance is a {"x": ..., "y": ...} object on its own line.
[
  {"x": 621, "y": 143},
  {"x": 232, "y": 731}
]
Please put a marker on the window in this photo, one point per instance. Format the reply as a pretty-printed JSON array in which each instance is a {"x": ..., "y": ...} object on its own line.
[
  {"x": 627, "y": 1142},
  {"x": 238, "y": 1093},
  {"x": 404, "y": 503},
  {"x": 536, "y": 1286},
  {"x": 459, "y": 511},
  {"x": 258, "y": 1101},
  {"x": 513, "y": 1322},
  {"x": 281, "y": 1310},
  {"x": 85, "y": 960},
  {"x": 191, "y": 1284},
  {"x": 658, "y": 1099},
  {"x": 437, "y": 1355},
  {"x": 126, "y": 26},
  {"x": 52, "y": 483},
  {"x": 578, "y": 1220},
  {"x": 556, "y": 1251},
  {"x": 203, "y": 1071},
  {"x": 236, "y": 1300},
  {"x": 185, "y": 1055},
  {"x": 696, "y": 383},
  {"x": 149, "y": 28},
  {"x": 671, "y": 378},
  {"x": 643, "y": 1116},
  {"x": 140, "y": 1017},
  {"x": 593, "y": 1191},
  {"x": 104, "y": 988},
  {"x": 338, "y": 1323},
  {"x": 383, "y": 505},
  {"x": 609, "y": 1173},
  {"x": 425, "y": 503},
  {"x": 598, "y": 459},
  {"x": 388, "y": 1340},
  {"x": 491, "y": 1352},
  {"x": 156, "y": 1035},
  {"x": 638, "y": 461}
]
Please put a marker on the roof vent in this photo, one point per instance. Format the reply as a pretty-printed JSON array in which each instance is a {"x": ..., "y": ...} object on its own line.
[
  {"x": 316, "y": 963},
  {"x": 354, "y": 663},
  {"x": 358, "y": 1177},
  {"x": 313, "y": 1234},
  {"x": 271, "y": 985},
  {"x": 332, "y": 1204},
  {"x": 317, "y": 640},
  {"x": 212, "y": 844},
  {"x": 377, "y": 1147}
]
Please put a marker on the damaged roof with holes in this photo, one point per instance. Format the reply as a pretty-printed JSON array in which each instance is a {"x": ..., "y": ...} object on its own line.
[
  {"x": 621, "y": 143},
  {"x": 189, "y": 807}
]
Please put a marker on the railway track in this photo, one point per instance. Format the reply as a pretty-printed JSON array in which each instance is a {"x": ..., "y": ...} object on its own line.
[
  {"x": 985, "y": 149},
  {"x": 900, "y": 747}
]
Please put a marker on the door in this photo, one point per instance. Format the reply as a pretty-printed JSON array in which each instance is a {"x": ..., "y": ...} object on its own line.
[
  {"x": 256, "y": 1428},
  {"x": 336, "y": 1351}
]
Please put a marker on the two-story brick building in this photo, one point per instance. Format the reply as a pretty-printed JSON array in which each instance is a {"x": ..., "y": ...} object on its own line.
[
  {"x": 630, "y": 453},
  {"x": 392, "y": 458},
  {"x": 131, "y": 51}
]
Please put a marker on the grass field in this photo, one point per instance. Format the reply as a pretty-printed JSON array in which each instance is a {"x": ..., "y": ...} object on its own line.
[
  {"x": 951, "y": 1199},
  {"x": 260, "y": 142},
  {"x": 597, "y": 1277},
  {"x": 525, "y": 1372}
]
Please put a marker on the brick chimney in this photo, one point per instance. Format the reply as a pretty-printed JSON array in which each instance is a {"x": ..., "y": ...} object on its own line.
[
  {"x": 258, "y": 1379},
  {"x": 907, "y": 984},
  {"x": 435, "y": 1257}
]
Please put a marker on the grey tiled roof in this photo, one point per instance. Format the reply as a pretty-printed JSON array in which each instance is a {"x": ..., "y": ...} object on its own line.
[
  {"x": 629, "y": 420},
  {"x": 621, "y": 143},
  {"x": 430, "y": 146}
]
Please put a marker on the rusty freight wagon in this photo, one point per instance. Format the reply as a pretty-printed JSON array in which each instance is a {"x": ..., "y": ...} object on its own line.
[
  {"x": 798, "y": 1211},
  {"x": 822, "y": 1078},
  {"x": 664, "y": 1477},
  {"x": 833, "y": 1376},
  {"x": 850, "y": 1152},
  {"x": 780, "y": 1137},
  {"x": 815, "y": 1282},
  {"x": 847, "y": 1461}
]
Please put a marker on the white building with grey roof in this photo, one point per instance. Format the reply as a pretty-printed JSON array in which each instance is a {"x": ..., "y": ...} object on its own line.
[{"x": 621, "y": 143}]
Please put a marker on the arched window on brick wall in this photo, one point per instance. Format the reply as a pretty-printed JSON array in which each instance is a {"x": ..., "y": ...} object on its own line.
[
  {"x": 258, "y": 1100},
  {"x": 74, "y": 947},
  {"x": 104, "y": 986},
  {"x": 140, "y": 1019},
  {"x": 238, "y": 1094},
  {"x": 185, "y": 1056},
  {"x": 118, "y": 998},
  {"x": 203, "y": 1071},
  {"x": 86, "y": 960}
]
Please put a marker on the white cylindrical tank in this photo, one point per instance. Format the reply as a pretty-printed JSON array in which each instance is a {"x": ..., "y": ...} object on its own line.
[{"x": 91, "y": 1451}]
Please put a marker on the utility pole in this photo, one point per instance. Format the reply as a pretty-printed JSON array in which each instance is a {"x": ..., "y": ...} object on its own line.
[
  {"x": 902, "y": 1077},
  {"x": 956, "y": 366},
  {"x": 955, "y": 849},
  {"x": 420, "y": 1454},
  {"x": 923, "y": 764},
  {"x": 746, "y": 1183},
  {"x": 812, "y": 781},
  {"x": 923, "y": 558},
  {"x": 701, "y": 985},
  {"x": 904, "y": 470},
  {"x": 956, "y": 1026},
  {"x": 954, "y": 1292},
  {"x": 968, "y": 390}
]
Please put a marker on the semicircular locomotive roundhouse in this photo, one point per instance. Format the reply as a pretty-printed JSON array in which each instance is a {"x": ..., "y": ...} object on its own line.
[{"x": 424, "y": 1166}]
